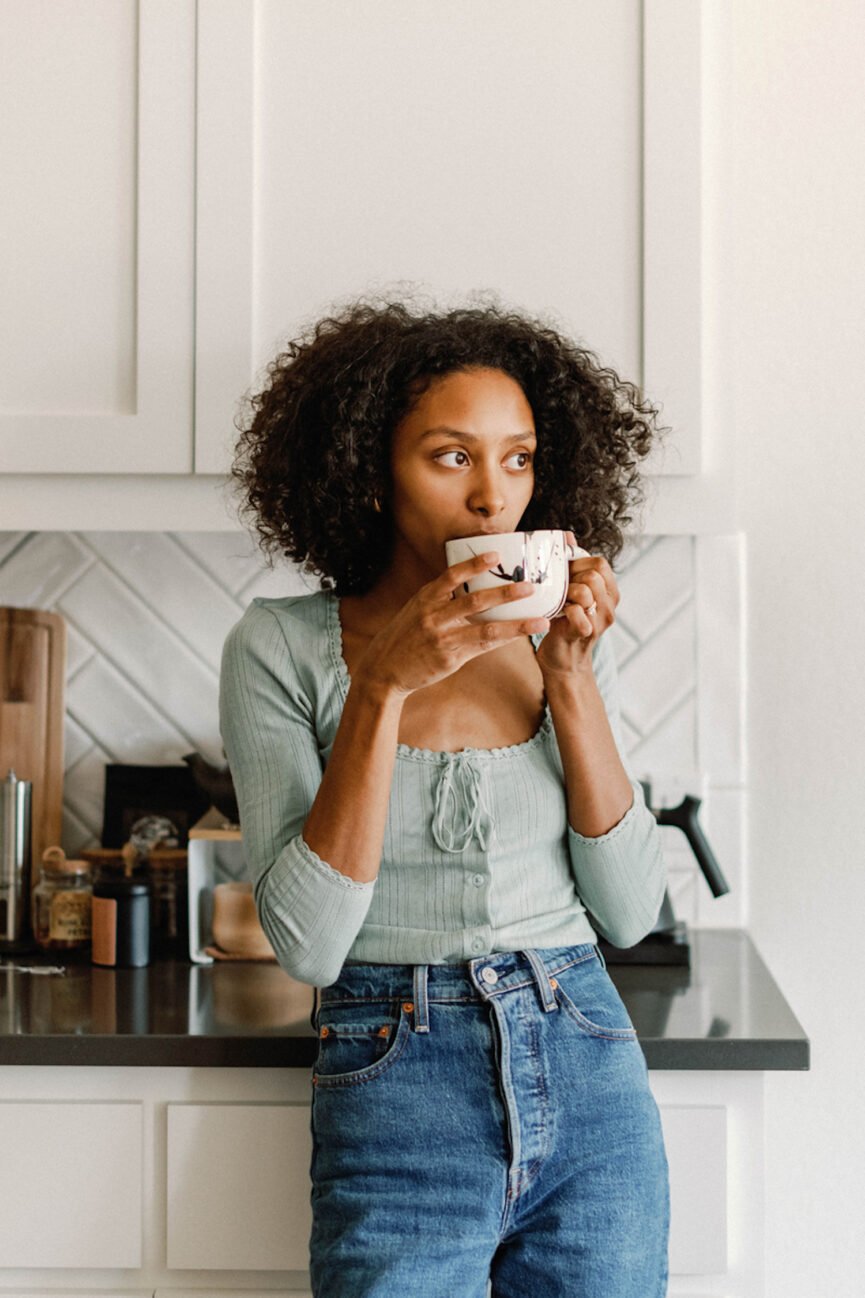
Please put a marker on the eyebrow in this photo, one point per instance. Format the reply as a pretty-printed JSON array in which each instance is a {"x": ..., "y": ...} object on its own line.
[{"x": 470, "y": 437}]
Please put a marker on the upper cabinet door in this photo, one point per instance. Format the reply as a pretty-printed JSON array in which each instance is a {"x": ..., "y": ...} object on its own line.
[
  {"x": 97, "y": 157},
  {"x": 550, "y": 154}
]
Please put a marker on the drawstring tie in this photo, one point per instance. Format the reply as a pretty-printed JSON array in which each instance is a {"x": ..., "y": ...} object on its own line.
[{"x": 461, "y": 808}]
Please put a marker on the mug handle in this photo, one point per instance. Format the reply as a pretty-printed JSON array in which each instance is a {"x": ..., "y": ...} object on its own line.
[{"x": 575, "y": 552}]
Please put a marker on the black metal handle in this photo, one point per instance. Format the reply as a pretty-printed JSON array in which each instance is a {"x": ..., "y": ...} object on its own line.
[{"x": 684, "y": 817}]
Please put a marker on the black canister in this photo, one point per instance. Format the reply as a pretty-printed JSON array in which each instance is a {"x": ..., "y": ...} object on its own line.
[{"x": 121, "y": 922}]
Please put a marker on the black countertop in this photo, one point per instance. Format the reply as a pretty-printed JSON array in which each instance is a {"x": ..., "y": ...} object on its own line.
[{"x": 724, "y": 1012}]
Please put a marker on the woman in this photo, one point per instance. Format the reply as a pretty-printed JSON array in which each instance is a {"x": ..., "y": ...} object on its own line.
[{"x": 436, "y": 814}]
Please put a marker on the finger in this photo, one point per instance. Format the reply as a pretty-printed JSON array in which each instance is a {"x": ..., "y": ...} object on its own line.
[
  {"x": 581, "y": 595},
  {"x": 457, "y": 573},
  {"x": 466, "y": 604},
  {"x": 482, "y": 636},
  {"x": 608, "y": 577},
  {"x": 580, "y": 622},
  {"x": 592, "y": 583}
]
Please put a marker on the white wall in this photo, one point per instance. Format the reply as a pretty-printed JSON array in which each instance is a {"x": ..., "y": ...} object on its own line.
[{"x": 788, "y": 277}]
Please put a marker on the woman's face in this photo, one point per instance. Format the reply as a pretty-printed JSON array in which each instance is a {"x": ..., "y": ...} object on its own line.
[{"x": 461, "y": 464}]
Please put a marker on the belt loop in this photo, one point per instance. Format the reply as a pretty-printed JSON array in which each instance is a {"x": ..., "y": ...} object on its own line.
[
  {"x": 542, "y": 978},
  {"x": 421, "y": 1004},
  {"x": 315, "y": 1005},
  {"x": 599, "y": 953}
]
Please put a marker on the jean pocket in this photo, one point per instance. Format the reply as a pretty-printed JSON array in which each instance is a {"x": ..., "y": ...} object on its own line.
[
  {"x": 588, "y": 995},
  {"x": 357, "y": 1043}
]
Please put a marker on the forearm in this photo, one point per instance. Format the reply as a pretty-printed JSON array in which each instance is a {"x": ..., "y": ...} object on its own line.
[
  {"x": 346, "y": 822},
  {"x": 599, "y": 791}
]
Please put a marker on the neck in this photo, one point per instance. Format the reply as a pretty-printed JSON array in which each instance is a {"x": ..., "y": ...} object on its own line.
[{"x": 404, "y": 577}]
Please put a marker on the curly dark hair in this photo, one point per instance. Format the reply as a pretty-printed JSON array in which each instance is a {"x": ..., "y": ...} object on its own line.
[{"x": 314, "y": 447}]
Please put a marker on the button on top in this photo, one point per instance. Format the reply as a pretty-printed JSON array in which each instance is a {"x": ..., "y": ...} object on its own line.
[
  {"x": 489, "y": 975},
  {"x": 477, "y": 879},
  {"x": 477, "y": 944}
]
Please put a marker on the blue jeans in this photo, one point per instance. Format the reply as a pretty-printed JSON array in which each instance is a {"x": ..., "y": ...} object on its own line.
[{"x": 485, "y": 1127}]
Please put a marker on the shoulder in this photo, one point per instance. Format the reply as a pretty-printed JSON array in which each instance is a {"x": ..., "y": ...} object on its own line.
[{"x": 289, "y": 627}]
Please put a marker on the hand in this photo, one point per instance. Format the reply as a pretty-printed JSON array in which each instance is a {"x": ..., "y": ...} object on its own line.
[
  {"x": 431, "y": 637},
  {"x": 567, "y": 647}
]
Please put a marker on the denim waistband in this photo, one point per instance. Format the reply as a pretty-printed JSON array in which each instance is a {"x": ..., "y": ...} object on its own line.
[{"x": 479, "y": 979}]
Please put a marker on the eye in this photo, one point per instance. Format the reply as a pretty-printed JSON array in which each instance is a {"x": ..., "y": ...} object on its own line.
[
  {"x": 526, "y": 457},
  {"x": 444, "y": 453}
]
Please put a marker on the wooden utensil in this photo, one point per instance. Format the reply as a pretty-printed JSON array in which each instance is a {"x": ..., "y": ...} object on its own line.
[{"x": 32, "y": 714}]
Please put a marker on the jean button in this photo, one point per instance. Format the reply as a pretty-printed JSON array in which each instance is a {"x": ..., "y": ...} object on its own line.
[{"x": 489, "y": 975}]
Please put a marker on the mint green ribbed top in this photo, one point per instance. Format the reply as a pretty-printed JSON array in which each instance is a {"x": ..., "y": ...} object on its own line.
[{"x": 478, "y": 855}]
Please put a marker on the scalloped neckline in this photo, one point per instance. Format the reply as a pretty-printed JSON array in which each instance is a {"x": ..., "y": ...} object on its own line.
[{"x": 334, "y": 623}]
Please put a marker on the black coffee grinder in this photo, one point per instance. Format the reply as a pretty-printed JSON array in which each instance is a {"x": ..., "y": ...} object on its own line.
[{"x": 667, "y": 944}]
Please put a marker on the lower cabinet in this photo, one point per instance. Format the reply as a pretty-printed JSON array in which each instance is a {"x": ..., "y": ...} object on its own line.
[
  {"x": 238, "y": 1187},
  {"x": 188, "y": 1182},
  {"x": 696, "y": 1142},
  {"x": 238, "y": 1195},
  {"x": 71, "y": 1178}
]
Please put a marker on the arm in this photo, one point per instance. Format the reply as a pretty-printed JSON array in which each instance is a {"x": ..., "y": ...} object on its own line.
[
  {"x": 311, "y": 910},
  {"x": 613, "y": 838}
]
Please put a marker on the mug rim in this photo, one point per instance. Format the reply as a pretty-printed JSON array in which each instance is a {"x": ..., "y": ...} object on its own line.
[{"x": 492, "y": 536}]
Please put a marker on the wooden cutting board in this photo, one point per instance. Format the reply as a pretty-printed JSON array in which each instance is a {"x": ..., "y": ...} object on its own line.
[{"x": 32, "y": 715}]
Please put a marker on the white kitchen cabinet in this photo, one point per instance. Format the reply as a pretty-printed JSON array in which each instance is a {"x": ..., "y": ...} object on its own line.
[
  {"x": 97, "y": 154},
  {"x": 238, "y": 1187},
  {"x": 554, "y": 159},
  {"x": 222, "y": 1155},
  {"x": 212, "y": 177},
  {"x": 229, "y": 1293},
  {"x": 71, "y": 1179},
  {"x": 695, "y": 1138}
]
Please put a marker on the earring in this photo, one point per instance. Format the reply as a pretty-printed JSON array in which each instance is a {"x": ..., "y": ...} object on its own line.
[{"x": 376, "y": 506}]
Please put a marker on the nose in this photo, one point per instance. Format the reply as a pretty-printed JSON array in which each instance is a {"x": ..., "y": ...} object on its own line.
[{"x": 486, "y": 495}]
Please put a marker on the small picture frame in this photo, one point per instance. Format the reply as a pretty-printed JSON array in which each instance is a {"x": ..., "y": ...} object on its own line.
[{"x": 135, "y": 792}]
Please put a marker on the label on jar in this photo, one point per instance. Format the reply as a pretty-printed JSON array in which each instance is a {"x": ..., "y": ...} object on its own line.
[
  {"x": 104, "y": 931},
  {"x": 69, "y": 917}
]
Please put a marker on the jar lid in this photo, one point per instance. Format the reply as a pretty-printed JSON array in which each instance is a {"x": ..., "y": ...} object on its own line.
[
  {"x": 56, "y": 860},
  {"x": 120, "y": 886}
]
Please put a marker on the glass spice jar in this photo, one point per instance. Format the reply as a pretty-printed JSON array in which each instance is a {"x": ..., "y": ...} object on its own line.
[{"x": 62, "y": 903}]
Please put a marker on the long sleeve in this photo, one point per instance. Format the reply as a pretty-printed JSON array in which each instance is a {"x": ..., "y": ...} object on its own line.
[
  {"x": 621, "y": 875},
  {"x": 310, "y": 912}
]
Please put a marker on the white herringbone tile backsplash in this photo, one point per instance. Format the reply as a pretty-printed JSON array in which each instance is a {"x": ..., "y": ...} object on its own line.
[{"x": 147, "y": 614}]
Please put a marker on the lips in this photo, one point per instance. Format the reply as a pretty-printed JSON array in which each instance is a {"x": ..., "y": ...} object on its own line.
[{"x": 498, "y": 531}]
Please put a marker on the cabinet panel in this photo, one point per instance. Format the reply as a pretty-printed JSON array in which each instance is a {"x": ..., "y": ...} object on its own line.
[
  {"x": 97, "y": 153},
  {"x": 71, "y": 1185},
  {"x": 465, "y": 163},
  {"x": 696, "y": 1143},
  {"x": 227, "y": 1293},
  {"x": 238, "y": 1187},
  {"x": 67, "y": 150}
]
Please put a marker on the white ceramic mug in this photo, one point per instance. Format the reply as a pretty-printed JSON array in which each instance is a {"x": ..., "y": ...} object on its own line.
[{"x": 541, "y": 557}]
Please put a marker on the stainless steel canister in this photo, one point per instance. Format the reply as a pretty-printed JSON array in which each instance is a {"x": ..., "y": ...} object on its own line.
[{"x": 15, "y": 803}]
